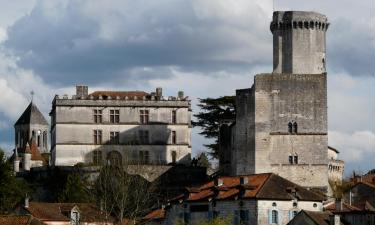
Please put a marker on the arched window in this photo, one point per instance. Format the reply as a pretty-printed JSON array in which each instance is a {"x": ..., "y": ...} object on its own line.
[
  {"x": 38, "y": 141},
  {"x": 290, "y": 127},
  {"x": 45, "y": 139},
  {"x": 295, "y": 159},
  {"x": 114, "y": 158},
  {"x": 295, "y": 127}
]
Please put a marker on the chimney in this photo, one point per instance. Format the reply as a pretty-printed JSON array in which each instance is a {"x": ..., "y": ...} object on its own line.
[
  {"x": 27, "y": 201},
  {"x": 82, "y": 91},
  {"x": 218, "y": 182},
  {"x": 180, "y": 94},
  {"x": 338, "y": 205},
  {"x": 159, "y": 92},
  {"x": 244, "y": 180},
  {"x": 335, "y": 220}
]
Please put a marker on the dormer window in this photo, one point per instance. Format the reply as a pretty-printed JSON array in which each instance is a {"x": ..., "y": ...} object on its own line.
[{"x": 75, "y": 217}]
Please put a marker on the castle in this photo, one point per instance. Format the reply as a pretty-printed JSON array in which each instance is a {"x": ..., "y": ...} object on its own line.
[{"x": 281, "y": 121}]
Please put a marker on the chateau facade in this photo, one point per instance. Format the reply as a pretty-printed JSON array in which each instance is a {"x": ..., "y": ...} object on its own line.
[
  {"x": 120, "y": 127},
  {"x": 281, "y": 121}
]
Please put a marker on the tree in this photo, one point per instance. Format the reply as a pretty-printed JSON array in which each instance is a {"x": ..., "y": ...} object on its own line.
[
  {"x": 123, "y": 195},
  {"x": 12, "y": 190},
  {"x": 75, "y": 190},
  {"x": 213, "y": 110},
  {"x": 203, "y": 160}
]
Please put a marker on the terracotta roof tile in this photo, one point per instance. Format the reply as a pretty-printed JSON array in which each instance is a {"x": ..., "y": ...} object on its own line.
[
  {"x": 32, "y": 149},
  {"x": 17, "y": 220}
]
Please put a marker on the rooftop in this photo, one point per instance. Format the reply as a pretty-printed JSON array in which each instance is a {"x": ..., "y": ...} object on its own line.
[{"x": 31, "y": 115}]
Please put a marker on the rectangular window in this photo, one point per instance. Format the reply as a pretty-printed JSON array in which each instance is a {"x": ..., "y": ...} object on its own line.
[
  {"x": 114, "y": 138},
  {"x": 144, "y": 116},
  {"x": 98, "y": 116},
  {"x": 296, "y": 159},
  {"x": 144, "y": 157},
  {"x": 144, "y": 136},
  {"x": 114, "y": 116},
  {"x": 97, "y": 157},
  {"x": 98, "y": 137},
  {"x": 174, "y": 138},
  {"x": 174, "y": 117},
  {"x": 290, "y": 159}
]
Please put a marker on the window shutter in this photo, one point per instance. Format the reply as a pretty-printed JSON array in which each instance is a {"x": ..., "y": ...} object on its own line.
[
  {"x": 270, "y": 216},
  {"x": 280, "y": 217}
]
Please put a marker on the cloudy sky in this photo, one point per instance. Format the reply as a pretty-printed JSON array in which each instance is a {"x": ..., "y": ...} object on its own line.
[{"x": 208, "y": 48}]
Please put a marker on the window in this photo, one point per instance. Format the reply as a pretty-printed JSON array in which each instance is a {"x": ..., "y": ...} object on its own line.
[
  {"x": 114, "y": 116},
  {"x": 292, "y": 214},
  {"x": 45, "y": 139},
  {"x": 144, "y": 156},
  {"x": 144, "y": 116},
  {"x": 114, "y": 158},
  {"x": 174, "y": 156},
  {"x": 293, "y": 159},
  {"x": 173, "y": 139},
  {"x": 174, "y": 117},
  {"x": 97, "y": 157},
  {"x": 290, "y": 127},
  {"x": 98, "y": 137},
  {"x": 274, "y": 217},
  {"x": 38, "y": 141},
  {"x": 98, "y": 116},
  {"x": 144, "y": 137},
  {"x": 114, "y": 138},
  {"x": 295, "y": 128}
]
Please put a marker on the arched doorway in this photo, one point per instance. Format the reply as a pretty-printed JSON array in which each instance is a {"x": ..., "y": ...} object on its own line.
[{"x": 114, "y": 158}]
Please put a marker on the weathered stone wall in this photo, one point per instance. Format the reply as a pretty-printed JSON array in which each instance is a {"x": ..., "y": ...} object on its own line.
[
  {"x": 299, "y": 42},
  {"x": 73, "y": 130},
  {"x": 244, "y": 140},
  {"x": 284, "y": 98}
]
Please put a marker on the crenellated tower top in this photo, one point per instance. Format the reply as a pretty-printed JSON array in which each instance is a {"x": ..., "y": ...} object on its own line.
[{"x": 299, "y": 42}]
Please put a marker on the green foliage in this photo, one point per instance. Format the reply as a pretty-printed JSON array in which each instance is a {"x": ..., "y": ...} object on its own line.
[
  {"x": 75, "y": 190},
  {"x": 212, "y": 111},
  {"x": 203, "y": 160},
  {"x": 217, "y": 221},
  {"x": 12, "y": 190}
]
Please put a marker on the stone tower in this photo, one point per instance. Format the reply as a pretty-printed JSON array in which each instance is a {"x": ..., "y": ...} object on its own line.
[
  {"x": 281, "y": 121},
  {"x": 31, "y": 126},
  {"x": 299, "y": 42}
]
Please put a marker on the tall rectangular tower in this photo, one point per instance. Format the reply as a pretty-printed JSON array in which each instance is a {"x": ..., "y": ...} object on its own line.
[{"x": 281, "y": 123}]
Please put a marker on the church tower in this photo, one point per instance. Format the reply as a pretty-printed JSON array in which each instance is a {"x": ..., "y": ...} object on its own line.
[
  {"x": 31, "y": 126},
  {"x": 281, "y": 121}
]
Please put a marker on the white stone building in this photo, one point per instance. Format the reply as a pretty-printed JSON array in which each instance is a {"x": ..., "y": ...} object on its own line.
[
  {"x": 114, "y": 126},
  {"x": 250, "y": 199}
]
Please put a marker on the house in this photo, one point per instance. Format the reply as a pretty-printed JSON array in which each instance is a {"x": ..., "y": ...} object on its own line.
[
  {"x": 66, "y": 213},
  {"x": 250, "y": 199},
  {"x": 120, "y": 127},
  {"x": 361, "y": 195},
  {"x": 315, "y": 218},
  {"x": 19, "y": 220}
]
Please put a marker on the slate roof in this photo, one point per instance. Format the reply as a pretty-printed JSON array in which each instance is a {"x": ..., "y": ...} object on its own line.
[
  {"x": 58, "y": 211},
  {"x": 258, "y": 186},
  {"x": 19, "y": 220},
  {"x": 320, "y": 218},
  {"x": 31, "y": 115}
]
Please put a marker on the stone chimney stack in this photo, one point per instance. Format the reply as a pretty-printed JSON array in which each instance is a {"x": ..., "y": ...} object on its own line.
[
  {"x": 159, "y": 92},
  {"x": 299, "y": 42},
  {"x": 82, "y": 91}
]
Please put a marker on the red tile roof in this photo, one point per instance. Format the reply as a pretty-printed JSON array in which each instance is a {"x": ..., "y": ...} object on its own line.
[
  {"x": 258, "y": 186},
  {"x": 158, "y": 214},
  {"x": 345, "y": 207},
  {"x": 19, "y": 220},
  {"x": 58, "y": 211}
]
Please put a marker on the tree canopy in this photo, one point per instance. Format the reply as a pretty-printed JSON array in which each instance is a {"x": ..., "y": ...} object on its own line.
[
  {"x": 12, "y": 190},
  {"x": 213, "y": 110},
  {"x": 75, "y": 190}
]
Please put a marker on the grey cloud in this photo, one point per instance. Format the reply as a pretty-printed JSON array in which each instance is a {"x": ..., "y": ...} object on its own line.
[{"x": 76, "y": 46}]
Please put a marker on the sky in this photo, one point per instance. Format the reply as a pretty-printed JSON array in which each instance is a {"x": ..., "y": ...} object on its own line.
[{"x": 207, "y": 48}]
